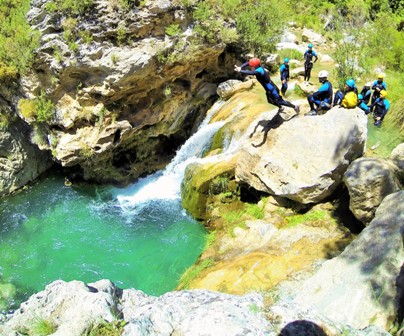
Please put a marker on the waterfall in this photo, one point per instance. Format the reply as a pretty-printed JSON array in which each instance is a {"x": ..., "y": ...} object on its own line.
[{"x": 166, "y": 185}]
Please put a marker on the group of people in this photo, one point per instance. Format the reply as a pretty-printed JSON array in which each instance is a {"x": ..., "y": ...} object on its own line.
[{"x": 372, "y": 98}]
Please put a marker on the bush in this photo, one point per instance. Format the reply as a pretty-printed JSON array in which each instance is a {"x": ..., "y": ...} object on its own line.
[
  {"x": 17, "y": 40},
  {"x": 70, "y": 7},
  {"x": 26, "y": 107},
  {"x": 173, "y": 30},
  {"x": 45, "y": 110},
  {"x": 41, "y": 109}
]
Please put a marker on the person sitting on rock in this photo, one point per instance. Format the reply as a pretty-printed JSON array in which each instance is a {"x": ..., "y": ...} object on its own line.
[
  {"x": 349, "y": 97},
  {"x": 362, "y": 105},
  {"x": 284, "y": 72},
  {"x": 377, "y": 87},
  {"x": 271, "y": 90},
  {"x": 308, "y": 62},
  {"x": 380, "y": 107},
  {"x": 366, "y": 92},
  {"x": 323, "y": 97}
]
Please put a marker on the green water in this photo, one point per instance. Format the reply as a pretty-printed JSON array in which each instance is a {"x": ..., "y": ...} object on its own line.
[
  {"x": 382, "y": 140},
  {"x": 51, "y": 231}
]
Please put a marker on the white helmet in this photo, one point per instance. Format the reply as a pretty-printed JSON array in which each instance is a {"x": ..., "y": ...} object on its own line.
[{"x": 323, "y": 74}]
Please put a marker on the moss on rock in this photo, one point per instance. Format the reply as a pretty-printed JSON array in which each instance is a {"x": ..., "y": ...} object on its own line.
[{"x": 200, "y": 182}]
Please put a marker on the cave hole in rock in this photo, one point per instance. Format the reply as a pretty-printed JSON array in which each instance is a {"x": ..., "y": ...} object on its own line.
[{"x": 117, "y": 136}]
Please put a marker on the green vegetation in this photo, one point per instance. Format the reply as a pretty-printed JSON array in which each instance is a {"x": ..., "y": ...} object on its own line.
[
  {"x": 41, "y": 108},
  {"x": 254, "y": 210},
  {"x": 173, "y": 30},
  {"x": 17, "y": 40},
  {"x": 42, "y": 327},
  {"x": 70, "y": 7},
  {"x": 313, "y": 217},
  {"x": 104, "y": 328},
  {"x": 258, "y": 23},
  {"x": 194, "y": 271}
]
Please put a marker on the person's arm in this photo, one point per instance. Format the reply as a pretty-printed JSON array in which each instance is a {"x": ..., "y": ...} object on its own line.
[
  {"x": 239, "y": 68},
  {"x": 371, "y": 106},
  {"x": 374, "y": 85},
  {"x": 315, "y": 55}
]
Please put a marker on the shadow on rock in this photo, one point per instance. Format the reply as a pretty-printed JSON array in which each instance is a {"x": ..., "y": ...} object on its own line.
[
  {"x": 267, "y": 125},
  {"x": 302, "y": 328}
]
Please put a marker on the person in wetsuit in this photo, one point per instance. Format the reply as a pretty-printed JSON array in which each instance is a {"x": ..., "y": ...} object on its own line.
[
  {"x": 271, "y": 90},
  {"x": 380, "y": 108},
  {"x": 322, "y": 98},
  {"x": 347, "y": 98},
  {"x": 366, "y": 92},
  {"x": 362, "y": 105},
  {"x": 284, "y": 72},
  {"x": 308, "y": 62},
  {"x": 377, "y": 87}
]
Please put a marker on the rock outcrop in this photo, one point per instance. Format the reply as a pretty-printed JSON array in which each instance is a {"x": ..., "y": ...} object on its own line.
[
  {"x": 126, "y": 94},
  {"x": 364, "y": 285},
  {"x": 74, "y": 308},
  {"x": 369, "y": 181},
  {"x": 303, "y": 159},
  {"x": 20, "y": 160}
]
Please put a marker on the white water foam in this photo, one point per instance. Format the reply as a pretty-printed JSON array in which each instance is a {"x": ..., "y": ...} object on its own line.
[{"x": 166, "y": 184}]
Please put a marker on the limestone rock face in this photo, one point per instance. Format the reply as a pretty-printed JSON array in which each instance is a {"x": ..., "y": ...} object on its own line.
[
  {"x": 73, "y": 307},
  {"x": 369, "y": 181},
  {"x": 231, "y": 86},
  {"x": 311, "y": 36},
  {"x": 361, "y": 287},
  {"x": 303, "y": 159},
  {"x": 20, "y": 160},
  {"x": 126, "y": 94}
]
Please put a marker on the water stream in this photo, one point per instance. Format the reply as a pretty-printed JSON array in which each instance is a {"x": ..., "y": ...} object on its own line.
[{"x": 138, "y": 236}]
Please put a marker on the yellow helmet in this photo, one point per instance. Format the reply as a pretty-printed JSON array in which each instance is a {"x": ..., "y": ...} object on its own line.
[
  {"x": 380, "y": 76},
  {"x": 383, "y": 93}
]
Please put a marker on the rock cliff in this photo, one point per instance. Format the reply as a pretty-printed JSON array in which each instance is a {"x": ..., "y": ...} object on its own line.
[{"x": 126, "y": 93}]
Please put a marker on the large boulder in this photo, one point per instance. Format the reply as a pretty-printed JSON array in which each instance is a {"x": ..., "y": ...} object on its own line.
[
  {"x": 303, "y": 159},
  {"x": 364, "y": 285},
  {"x": 369, "y": 181}
]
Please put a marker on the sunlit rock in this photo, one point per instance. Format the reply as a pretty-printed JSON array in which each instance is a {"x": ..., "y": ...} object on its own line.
[
  {"x": 369, "y": 181},
  {"x": 302, "y": 159}
]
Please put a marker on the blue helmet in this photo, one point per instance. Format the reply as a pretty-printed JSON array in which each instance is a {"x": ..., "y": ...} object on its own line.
[
  {"x": 360, "y": 97},
  {"x": 350, "y": 83},
  {"x": 310, "y": 45},
  {"x": 286, "y": 60}
]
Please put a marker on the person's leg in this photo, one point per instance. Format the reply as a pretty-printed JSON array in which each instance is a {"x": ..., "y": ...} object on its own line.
[
  {"x": 272, "y": 100},
  {"x": 305, "y": 71},
  {"x": 310, "y": 100},
  {"x": 284, "y": 87},
  {"x": 339, "y": 95},
  {"x": 309, "y": 67}
]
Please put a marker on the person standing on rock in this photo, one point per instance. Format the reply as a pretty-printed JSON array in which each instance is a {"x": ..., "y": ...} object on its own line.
[
  {"x": 284, "y": 72},
  {"x": 308, "y": 62},
  {"x": 322, "y": 98},
  {"x": 271, "y": 90},
  {"x": 381, "y": 105},
  {"x": 347, "y": 98}
]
